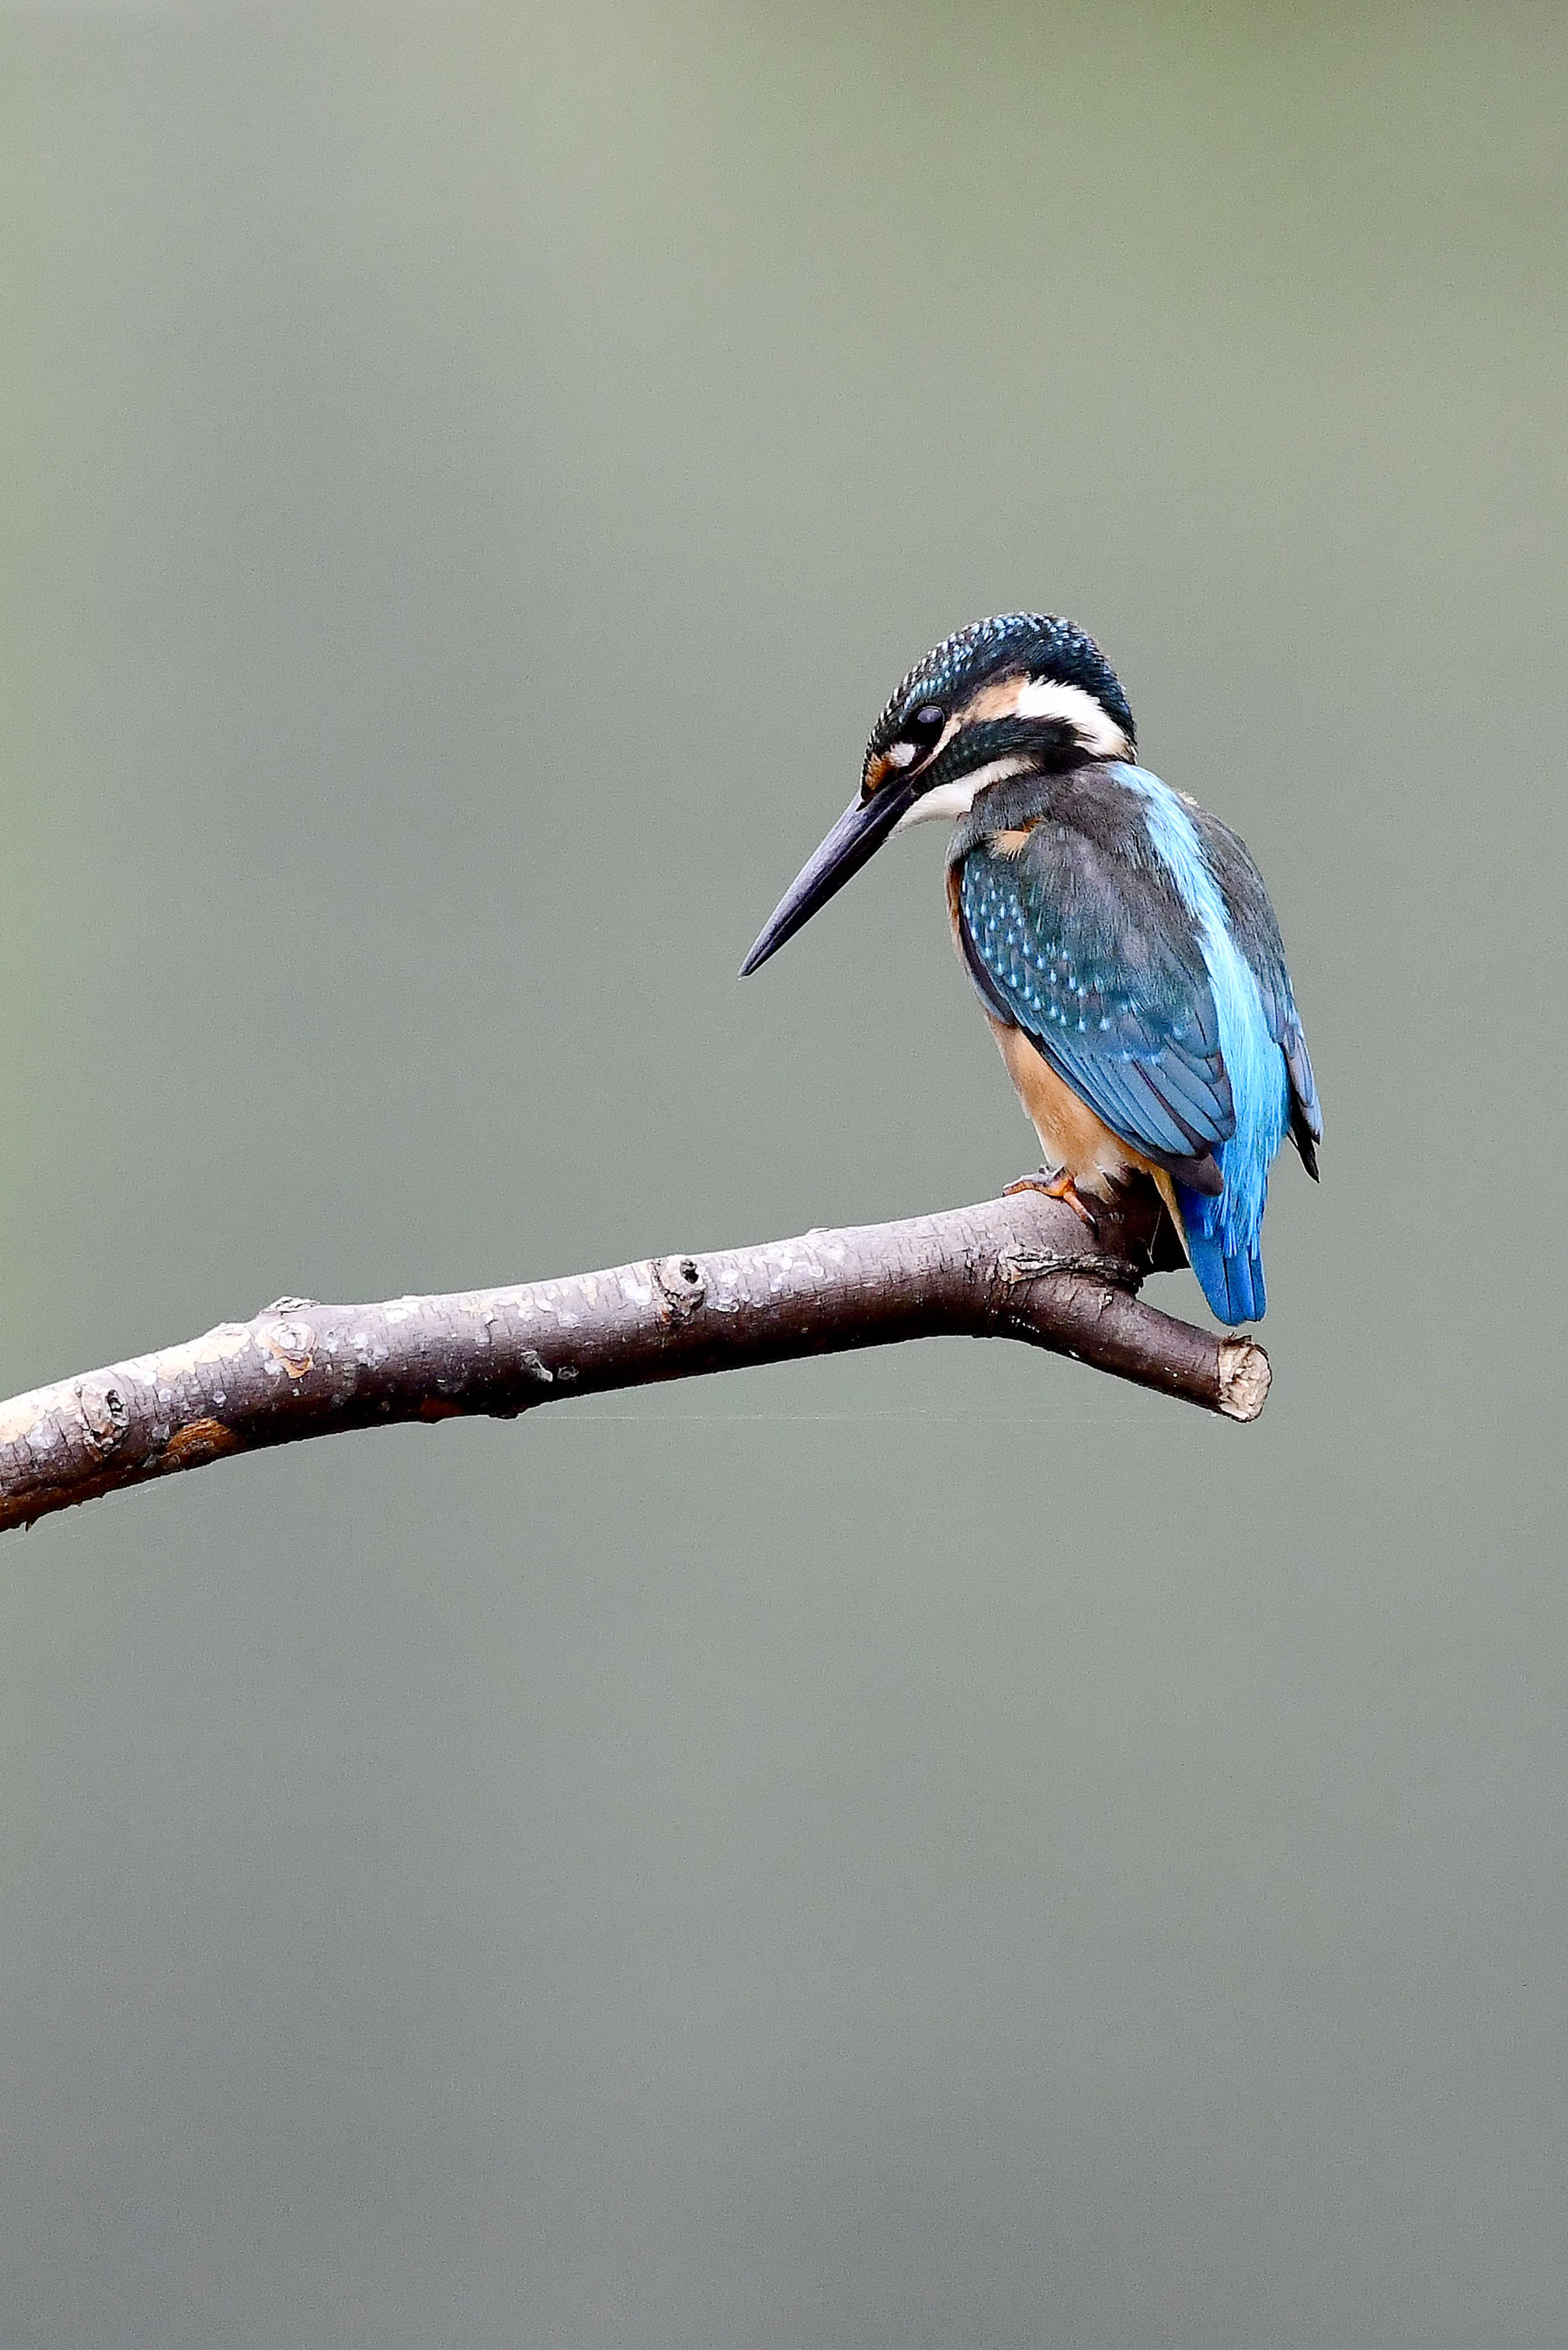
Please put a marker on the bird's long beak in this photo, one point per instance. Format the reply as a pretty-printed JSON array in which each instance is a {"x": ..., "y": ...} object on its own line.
[{"x": 855, "y": 838}]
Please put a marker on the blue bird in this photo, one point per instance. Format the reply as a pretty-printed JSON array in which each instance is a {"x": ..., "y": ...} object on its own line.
[{"x": 1119, "y": 937}]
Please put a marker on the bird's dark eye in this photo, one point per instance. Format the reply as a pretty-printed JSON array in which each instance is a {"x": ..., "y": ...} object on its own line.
[{"x": 919, "y": 735}]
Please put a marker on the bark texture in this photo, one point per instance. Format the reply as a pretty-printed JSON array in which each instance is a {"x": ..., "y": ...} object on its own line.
[{"x": 1023, "y": 1267}]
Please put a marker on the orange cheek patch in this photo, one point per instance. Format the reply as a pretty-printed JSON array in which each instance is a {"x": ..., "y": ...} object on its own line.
[{"x": 999, "y": 699}]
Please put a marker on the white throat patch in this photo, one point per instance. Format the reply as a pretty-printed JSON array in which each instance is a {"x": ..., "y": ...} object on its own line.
[{"x": 947, "y": 802}]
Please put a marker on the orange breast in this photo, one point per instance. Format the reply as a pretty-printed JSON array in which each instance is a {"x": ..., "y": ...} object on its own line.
[{"x": 1071, "y": 1134}]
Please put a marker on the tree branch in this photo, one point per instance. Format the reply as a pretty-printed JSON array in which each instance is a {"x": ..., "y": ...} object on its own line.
[{"x": 1024, "y": 1267}]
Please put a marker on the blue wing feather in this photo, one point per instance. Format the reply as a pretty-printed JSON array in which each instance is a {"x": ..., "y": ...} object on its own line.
[
  {"x": 1119, "y": 1004},
  {"x": 1136, "y": 948}
]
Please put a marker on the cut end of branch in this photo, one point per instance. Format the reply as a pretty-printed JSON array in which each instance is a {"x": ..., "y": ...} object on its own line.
[{"x": 1244, "y": 1377}]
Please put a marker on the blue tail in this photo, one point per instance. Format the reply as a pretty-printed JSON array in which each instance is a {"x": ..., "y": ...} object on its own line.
[{"x": 1230, "y": 1266}]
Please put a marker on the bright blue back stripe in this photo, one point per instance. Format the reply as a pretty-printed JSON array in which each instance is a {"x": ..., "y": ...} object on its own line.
[{"x": 1222, "y": 1233}]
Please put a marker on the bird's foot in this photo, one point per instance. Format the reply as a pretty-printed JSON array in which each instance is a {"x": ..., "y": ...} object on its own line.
[{"x": 1059, "y": 1186}]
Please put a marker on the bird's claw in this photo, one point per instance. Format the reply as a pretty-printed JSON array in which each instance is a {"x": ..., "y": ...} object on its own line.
[{"x": 1059, "y": 1186}]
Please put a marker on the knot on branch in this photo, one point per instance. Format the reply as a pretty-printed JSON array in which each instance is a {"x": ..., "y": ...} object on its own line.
[
  {"x": 105, "y": 1413},
  {"x": 679, "y": 1289},
  {"x": 291, "y": 1345}
]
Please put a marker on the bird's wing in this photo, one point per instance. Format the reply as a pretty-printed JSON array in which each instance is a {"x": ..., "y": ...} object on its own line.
[
  {"x": 1256, "y": 932},
  {"x": 1100, "y": 965}
]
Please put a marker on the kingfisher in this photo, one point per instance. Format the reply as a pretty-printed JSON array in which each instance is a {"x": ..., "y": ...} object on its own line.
[{"x": 1119, "y": 937}]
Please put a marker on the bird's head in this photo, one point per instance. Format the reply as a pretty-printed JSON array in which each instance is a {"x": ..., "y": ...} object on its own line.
[{"x": 1023, "y": 694}]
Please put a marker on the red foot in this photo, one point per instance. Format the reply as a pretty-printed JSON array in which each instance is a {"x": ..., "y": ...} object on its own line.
[{"x": 1059, "y": 1186}]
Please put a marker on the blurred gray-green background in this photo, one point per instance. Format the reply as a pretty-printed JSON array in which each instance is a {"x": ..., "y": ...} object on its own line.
[{"x": 932, "y": 1850}]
